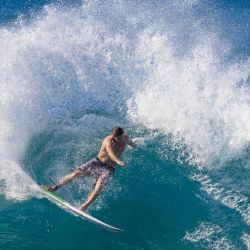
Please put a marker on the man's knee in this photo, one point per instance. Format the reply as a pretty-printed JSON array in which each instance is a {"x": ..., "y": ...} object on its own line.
[
  {"x": 104, "y": 179},
  {"x": 100, "y": 183}
]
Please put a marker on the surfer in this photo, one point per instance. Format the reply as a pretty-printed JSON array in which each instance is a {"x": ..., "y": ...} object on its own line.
[{"x": 102, "y": 166}]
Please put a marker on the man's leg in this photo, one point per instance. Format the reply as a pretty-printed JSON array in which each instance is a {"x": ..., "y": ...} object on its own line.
[
  {"x": 68, "y": 178},
  {"x": 101, "y": 181}
]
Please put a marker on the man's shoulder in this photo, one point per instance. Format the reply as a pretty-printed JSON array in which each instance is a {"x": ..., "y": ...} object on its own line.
[
  {"x": 126, "y": 137},
  {"x": 107, "y": 139}
]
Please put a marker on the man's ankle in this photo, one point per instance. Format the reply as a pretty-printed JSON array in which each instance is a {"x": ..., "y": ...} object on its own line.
[{"x": 55, "y": 187}]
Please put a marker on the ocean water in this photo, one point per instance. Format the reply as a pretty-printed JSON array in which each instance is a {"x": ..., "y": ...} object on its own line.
[{"x": 174, "y": 74}]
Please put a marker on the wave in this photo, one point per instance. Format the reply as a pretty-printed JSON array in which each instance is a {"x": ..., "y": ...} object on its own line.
[{"x": 133, "y": 65}]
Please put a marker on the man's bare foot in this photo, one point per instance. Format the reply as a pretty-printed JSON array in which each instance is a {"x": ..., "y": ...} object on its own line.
[{"x": 51, "y": 188}]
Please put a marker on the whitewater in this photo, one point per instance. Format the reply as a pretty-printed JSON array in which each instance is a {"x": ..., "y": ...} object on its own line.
[{"x": 174, "y": 75}]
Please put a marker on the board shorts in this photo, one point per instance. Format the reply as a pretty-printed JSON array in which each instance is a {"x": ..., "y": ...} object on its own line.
[{"x": 95, "y": 167}]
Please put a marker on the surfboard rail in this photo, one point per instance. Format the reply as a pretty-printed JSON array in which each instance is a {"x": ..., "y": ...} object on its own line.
[{"x": 77, "y": 211}]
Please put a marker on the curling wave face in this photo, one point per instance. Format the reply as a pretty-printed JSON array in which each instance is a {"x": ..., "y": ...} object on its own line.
[
  {"x": 96, "y": 65},
  {"x": 67, "y": 63}
]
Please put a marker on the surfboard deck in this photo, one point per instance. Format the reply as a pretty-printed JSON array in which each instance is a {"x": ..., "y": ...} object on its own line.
[{"x": 77, "y": 211}]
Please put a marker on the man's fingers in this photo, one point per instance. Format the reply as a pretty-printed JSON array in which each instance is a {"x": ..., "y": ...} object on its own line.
[{"x": 121, "y": 163}]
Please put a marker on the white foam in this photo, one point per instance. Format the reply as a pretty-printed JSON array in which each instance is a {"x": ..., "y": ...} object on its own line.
[
  {"x": 194, "y": 97},
  {"x": 17, "y": 184},
  {"x": 246, "y": 238},
  {"x": 225, "y": 195},
  {"x": 209, "y": 236}
]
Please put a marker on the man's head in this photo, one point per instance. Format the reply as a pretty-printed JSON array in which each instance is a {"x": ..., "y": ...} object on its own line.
[{"x": 117, "y": 131}]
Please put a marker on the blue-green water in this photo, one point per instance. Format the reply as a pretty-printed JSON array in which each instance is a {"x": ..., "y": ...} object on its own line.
[{"x": 174, "y": 74}]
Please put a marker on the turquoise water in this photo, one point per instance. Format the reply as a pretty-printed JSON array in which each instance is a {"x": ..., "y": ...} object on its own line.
[{"x": 174, "y": 74}]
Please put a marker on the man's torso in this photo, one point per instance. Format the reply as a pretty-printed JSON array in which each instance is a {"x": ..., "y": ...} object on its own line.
[{"x": 117, "y": 146}]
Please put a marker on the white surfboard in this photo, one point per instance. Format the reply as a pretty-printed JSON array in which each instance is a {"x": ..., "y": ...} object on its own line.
[{"x": 79, "y": 212}]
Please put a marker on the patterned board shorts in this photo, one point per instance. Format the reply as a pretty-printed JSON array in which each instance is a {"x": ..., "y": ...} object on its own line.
[{"x": 95, "y": 167}]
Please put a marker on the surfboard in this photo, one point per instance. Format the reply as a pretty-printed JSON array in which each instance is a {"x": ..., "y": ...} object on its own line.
[{"x": 77, "y": 211}]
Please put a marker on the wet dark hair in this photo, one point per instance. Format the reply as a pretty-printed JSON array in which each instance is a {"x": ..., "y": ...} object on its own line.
[{"x": 117, "y": 131}]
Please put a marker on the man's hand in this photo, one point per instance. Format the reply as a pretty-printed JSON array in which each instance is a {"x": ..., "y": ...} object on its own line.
[
  {"x": 131, "y": 143},
  {"x": 121, "y": 163}
]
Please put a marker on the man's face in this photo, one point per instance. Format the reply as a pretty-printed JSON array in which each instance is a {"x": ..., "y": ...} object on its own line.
[{"x": 118, "y": 137}]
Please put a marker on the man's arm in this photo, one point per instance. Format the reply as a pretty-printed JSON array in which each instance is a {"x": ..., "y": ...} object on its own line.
[
  {"x": 131, "y": 143},
  {"x": 112, "y": 155}
]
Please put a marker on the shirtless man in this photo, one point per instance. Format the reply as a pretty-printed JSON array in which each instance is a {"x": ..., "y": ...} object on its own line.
[{"x": 103, "y": 166}]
